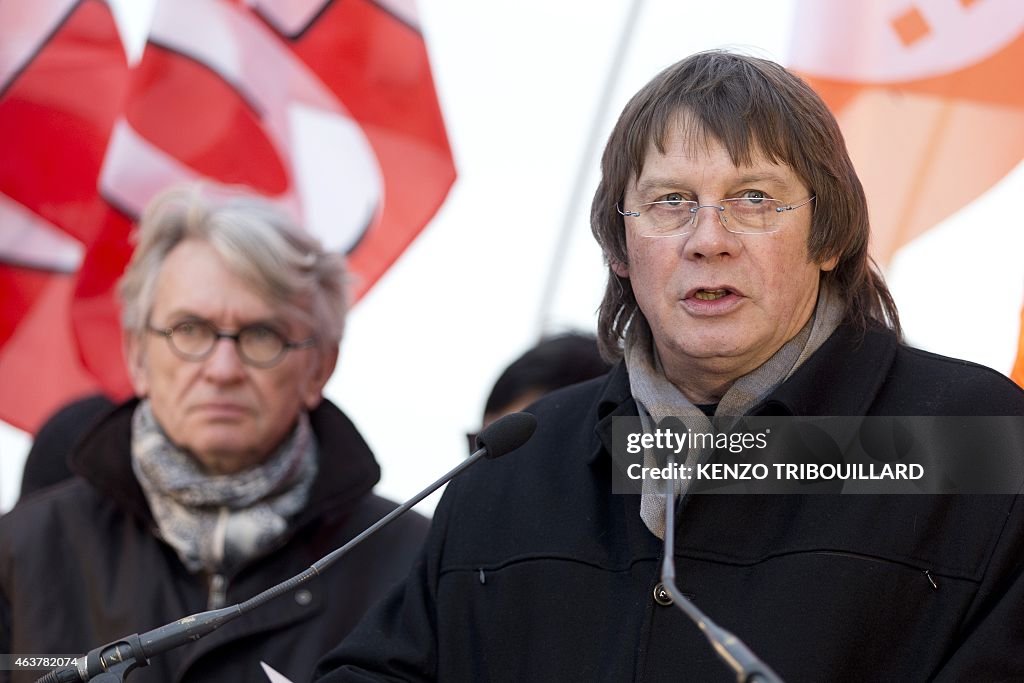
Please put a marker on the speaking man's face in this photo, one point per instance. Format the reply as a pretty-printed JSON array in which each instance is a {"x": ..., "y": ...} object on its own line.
[{"x": 719, "y": 303}]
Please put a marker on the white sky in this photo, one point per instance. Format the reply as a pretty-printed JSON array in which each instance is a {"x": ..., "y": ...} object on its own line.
[{"x": 519, "y": 85}]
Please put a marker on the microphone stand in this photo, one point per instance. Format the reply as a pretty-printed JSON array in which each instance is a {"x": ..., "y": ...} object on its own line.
[
  {"x": 748, "y": 667},
  {"x": 111, "y": 663}
]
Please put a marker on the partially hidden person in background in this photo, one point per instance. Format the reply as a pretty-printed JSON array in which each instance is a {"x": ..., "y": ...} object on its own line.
[
  {"x": 554, "y": 362},
  {"x": 228, "y": 473},
  {"x": 47, "y": 461}
]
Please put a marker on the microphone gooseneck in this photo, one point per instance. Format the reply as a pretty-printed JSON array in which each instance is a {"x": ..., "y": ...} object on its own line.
[{"x": 741, "y": 659}]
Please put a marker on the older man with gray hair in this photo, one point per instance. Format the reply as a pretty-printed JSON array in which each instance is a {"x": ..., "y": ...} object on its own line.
[{"x": 227, "y": 473}]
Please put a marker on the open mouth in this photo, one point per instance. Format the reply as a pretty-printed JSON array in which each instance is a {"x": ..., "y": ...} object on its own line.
[{"x": 710, "y": 294}]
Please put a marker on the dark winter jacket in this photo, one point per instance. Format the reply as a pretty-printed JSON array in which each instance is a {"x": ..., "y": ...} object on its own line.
[
  {"x": 81, "y": 564},
  {"x": 47, "y": 461},
  {"x": 536, "y": 571}
]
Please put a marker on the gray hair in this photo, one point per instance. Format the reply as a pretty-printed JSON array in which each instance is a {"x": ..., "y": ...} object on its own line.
[{"x": 259, "y": 243}]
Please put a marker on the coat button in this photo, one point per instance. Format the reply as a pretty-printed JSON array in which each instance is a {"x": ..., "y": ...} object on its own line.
[
  {"x": 661, "y": 595},
  {"x": 303, "y": 597}
]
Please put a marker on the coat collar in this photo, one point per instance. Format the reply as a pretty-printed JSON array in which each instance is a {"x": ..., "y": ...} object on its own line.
[
  {"x": 347, "y": 468},
  {"x": 842, "y": 378}
]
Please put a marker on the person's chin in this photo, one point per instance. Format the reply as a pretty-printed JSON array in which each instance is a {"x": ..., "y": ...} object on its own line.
[
  {"x": 222, "y": 438},
  {"x": 223, "y": 452},
  {"x": 722, "y": 339}
]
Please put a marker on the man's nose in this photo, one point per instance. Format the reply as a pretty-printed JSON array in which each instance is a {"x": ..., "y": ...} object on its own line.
[
  {"x": 708, "y": 237},
  {"x": 224, "y": 363},
  {"x": 716, "y": 209}
]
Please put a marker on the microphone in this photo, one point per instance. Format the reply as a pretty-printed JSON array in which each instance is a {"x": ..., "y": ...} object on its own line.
[
  {"x": 112, "y": 662},
  {"x": 505, "y": 434},
  {"x": 748, "y": 667}
]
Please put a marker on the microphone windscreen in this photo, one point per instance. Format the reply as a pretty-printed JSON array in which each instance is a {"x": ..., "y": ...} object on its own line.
[{"x": 506, "y": 434}]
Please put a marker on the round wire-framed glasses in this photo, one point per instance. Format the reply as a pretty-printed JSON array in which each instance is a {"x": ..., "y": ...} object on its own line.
[{"x": 259, "y": 345}]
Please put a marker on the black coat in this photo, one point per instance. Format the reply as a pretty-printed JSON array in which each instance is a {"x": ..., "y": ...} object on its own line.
[
  {"x": 535, "y": 571},
  {"x": 81, "y": 565},
  {"x": 47, "y": 461}
]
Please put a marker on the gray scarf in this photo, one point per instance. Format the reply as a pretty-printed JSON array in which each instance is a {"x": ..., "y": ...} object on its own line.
[
  {"x": 658, "y": 398},
  {"x": 215, "y": 522}
]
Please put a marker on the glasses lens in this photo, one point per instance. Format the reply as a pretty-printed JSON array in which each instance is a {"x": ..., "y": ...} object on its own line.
[
  {"x": 193, "y": 338},
  {"x": 752, "y": 214},
  {"x": 260, "y": 344},
  {"x": 667, "y": 217}
]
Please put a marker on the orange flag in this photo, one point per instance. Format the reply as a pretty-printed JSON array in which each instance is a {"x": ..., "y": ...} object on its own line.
[
  {"x": 1018, "y": 367},
  {"x": 930, "y": 96}
]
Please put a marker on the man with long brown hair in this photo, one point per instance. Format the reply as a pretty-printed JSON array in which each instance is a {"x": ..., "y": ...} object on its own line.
[{"x": 739, "y": 285}]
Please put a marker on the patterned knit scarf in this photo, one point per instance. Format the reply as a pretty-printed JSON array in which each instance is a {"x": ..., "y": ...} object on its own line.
[
  {"x": 658, "y": 398},
  {"x": 216, "y": 522}
]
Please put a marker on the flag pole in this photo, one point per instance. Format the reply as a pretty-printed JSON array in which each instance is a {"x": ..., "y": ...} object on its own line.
[{"x": 554, "y": 276}]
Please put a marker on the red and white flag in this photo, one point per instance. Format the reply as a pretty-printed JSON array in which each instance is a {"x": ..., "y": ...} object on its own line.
[
  {"x": 63, "y": 76},
  {"x": 326, "y": 107}
]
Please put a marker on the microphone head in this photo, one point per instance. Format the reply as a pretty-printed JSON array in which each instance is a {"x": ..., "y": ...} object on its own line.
[{"x": 506, "y": 434}]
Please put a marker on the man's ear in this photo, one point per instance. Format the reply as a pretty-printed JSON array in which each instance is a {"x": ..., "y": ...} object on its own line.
[
  {"x": 135, "y": 358},
  {"x": 619, "y": 268},
  {"x": 829, "y": 264},
  {"x": 323, "y": 368}
]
